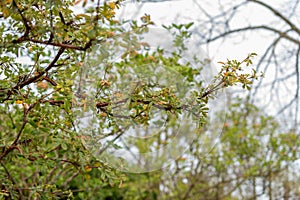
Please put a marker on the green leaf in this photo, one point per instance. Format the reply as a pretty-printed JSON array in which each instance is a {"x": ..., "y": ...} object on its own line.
[{"x": 64, "y": 146}]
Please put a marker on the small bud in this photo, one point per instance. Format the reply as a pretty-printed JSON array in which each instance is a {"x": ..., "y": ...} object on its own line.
[{"x": 42, "y": 85}]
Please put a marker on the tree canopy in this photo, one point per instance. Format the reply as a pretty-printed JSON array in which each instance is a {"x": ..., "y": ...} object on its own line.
[{"x": 82, "y": 95}]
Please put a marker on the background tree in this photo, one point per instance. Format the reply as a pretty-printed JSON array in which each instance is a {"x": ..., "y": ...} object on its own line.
[{"x": 254, "y": 160}]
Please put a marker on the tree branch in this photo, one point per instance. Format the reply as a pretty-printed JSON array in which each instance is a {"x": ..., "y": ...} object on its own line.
[
  {"x": 298, "y": 84},
  {"x": 11, "y": 178},
  {"x": 282, "y": 34},
  {"x": 36, "y": 77},
  {"x": 277, "y": 13},
  {"x": 63, "y": 45},
  {"x": 49, "y": 42},
  {"x": 25, "y": 21}
]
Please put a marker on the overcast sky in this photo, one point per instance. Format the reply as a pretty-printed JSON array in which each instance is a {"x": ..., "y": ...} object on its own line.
[{"x": 185, "y": 11}]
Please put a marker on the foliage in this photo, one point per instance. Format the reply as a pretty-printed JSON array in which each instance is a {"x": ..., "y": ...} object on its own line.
[
  {"x": 43, "y": 153},
  {"x": 251, "y": 161}
]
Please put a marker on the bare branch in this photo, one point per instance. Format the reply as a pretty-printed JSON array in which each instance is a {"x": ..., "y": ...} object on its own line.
[
  {"x": 49, "y": 42},
  {"x": 277, "y": 13},
  {"x": 298, "y": 84},
  {"x": 263, "y": 27}
]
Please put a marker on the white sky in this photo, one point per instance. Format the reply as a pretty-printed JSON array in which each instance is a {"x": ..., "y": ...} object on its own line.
[{"x": 185, "y": 11}]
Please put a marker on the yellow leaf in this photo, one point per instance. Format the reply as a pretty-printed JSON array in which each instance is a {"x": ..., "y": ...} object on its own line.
[
  {"x": 146, "y": 19},
  {"x": 98, "y": 164},
  {"x": 110, "y": 34},
  {"x": 19, "y": 102},
  {"x": 105, "y": 83},
  {"x": 67, "y": 123},
  {"x": 8, "y": 1},
  {"x": 112, "y": 5},
  {"x": 181, "y": 159},
  {"x": 87, "y": 168},
  {"x": 88, "y": 177},
  {"x": 5, "y": 11},
  {"x": 103, "y": 114},
  {"x": 84, "y": 101}
]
